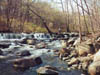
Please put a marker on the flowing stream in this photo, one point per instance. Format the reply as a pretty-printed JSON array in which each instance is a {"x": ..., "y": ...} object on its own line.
[{"x": 48, "y": 58}]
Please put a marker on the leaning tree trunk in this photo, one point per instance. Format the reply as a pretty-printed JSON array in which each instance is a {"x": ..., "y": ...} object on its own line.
[{"x": 43, "y": 21}]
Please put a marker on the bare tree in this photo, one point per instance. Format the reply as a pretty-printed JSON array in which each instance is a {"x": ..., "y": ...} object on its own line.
[
  {"x": 90, "y": 18},
  {"x": 79, "y": 20},
  {"x": 82, "y": 7}
]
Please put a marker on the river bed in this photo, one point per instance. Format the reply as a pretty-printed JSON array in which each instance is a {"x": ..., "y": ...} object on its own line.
[{"x": 47, "y": 55}]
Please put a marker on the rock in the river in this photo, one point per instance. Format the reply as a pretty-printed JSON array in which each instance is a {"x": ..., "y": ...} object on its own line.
[
  {"x": 4, "y": 45},
  {"x": 94, "y": 68},
  {"x": 41, "y": 45},
  {"x": 26, "y": 63},
  {"x": 63, "y": 43},
  {"x": 47, "y": 70},
  {"x": 63, "y": 52},
  {"x": 83, "y": 49},
  {"x": 1, "y": 52},
  {"x": 72, "y": 40},
  {"x": 75, "y": 66},
  {"x": 31, "y": 41},
  {"x": 55, "y": 50},
  {"x": 65, "y": 58},
  {"x": 97, "y": 56},
  {"x": 77, "y": 41},
  {"x": 24, "y": 53},
  {"x": 73, "y": 54},
  {"x": 73, "y": 61},
  {"x": 2, "y": 57}
]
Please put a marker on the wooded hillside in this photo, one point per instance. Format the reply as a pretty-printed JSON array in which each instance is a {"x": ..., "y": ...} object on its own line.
[{"x": 24, "y": 16}]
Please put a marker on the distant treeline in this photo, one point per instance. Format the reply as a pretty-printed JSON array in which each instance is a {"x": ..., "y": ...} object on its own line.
[{"x": 16, "y": 16}]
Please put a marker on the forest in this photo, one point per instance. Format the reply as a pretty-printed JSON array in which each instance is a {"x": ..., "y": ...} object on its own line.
[{"x": 67, "y": 15}]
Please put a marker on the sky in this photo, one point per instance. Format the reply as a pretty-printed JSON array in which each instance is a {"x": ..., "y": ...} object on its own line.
[{"x": 55, "y": 3}]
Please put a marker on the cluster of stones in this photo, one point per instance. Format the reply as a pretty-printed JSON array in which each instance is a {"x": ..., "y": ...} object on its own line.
[
  {"x": 22, "y": 59},
  {"x": 84, "y": 56}
]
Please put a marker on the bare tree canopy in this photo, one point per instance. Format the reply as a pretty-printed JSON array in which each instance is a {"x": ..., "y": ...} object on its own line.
[{"x": 50, "y": 15}]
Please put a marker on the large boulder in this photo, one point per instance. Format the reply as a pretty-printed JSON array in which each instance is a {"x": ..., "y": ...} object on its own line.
[
  {"x": 97, "y": 57},
  {"x": 47, "y": 70},
  {"x": 24, "y": 40},
  {"x": 94, "y": 68},
  {"x": 4, "y": 45},
  {"x": 26, "y": 63},
  {"x": 28, "y": 41},
  {"x": 83, "y": 49},
  {"x": 24, "y": 53}
]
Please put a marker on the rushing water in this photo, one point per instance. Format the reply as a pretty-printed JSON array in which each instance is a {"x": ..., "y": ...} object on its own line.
[
  {"x": 48, "y": 58},
  {"x": 21, "y": 35}
]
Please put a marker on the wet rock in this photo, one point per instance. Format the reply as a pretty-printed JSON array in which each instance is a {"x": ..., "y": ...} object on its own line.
[
  {"x": 75, "y": 66},
  {"x": 88, "y": 41},
  {"x": 47, "y": 70},
  {"x": 73, "y": 61},
  {"x": 73, "y": 34},
  {"x": 72, "y": 40},
  {"x": 1, "y": 52},
  {"x": 25, "y": 63},
  {"x": 80, "y": 66},
  {"x": 32, "y": 46},
  {"x": 4, "y": 57},
  {"x": 98, "y": 39},
  {"x": 24, "y": 40},
  {"x": 83, "y": 49},
  {"x": 4, "y": 45},
  {"x": 41, "y": 45},
  {"x": 73, "y": 54},
  {"x": 55, "y": 50},
  {"x": 51, "y": 67},
  {"x": 85, "y": 59},
  {"x": 77, "y": 41},
  {"x": 49, "y": 50},
  {"x": 38, "y": 60},
  {"x": 23, "y": 53},
  {"x": 69, "y": 69},
  {"x": 85, "y": 65},
  {"x": 94, "y": 68},
  {"x": 65, "y": 58},
  {"x": 63, "y": 53},
  {"x": 97, "y": 46},
  {"x": 63, "y": 43},
  {"x": 31, "y": 41}
]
